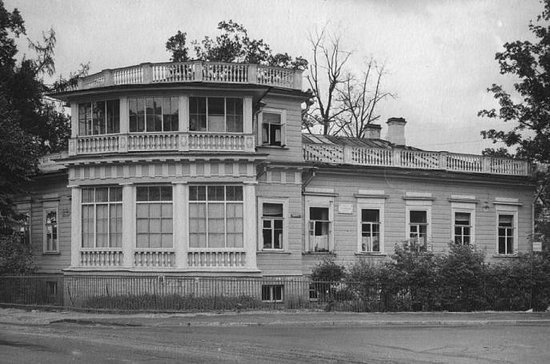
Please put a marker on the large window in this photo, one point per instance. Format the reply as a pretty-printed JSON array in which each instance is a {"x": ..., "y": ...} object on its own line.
[
  {"x": 99, "y": 117},
  {"x": 506, "y": 233},
  {"x": 463, "y": 228},
  {"x": 370, "y": 230},
  {"x": 153, "y": 114},
  {"x": 216, "y": 216},
  {"x": 418, "y": 227},
  {"x": 216, "y": 114},
  {"x": 102, "y": 217},
  {"x": 50, "y": 231},
  {"x": 154, "y": 212}
]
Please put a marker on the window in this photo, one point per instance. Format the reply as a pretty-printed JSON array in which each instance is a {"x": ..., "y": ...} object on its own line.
[
  {"x": 50, "y": 231},
  {"x": 462, "y": 228},
  {"x": 24, "y": 228},
  {"x": 216, "y": 216},
  {"x": 102, "y": 217},
  {"x": 272, "y": 127},
  {"x": 418, "y": 227},
  {"x": 153, "y": 114},
  {"x": 272, "y": 292},
  {"x": 216, "y": 114},
  {"x": 154, "y": 212},
  {"x": 273, "y": 222},
  {"x": 370, "y": 230},
  {"x": 506, "y": 234},
  {"x": 99, "y": 117},
  {"x": 319, "y": 229}
]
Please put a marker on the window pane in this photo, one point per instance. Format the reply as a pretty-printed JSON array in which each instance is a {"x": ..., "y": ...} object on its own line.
[
  {"x": 418, "y": 217},
  {"x": 273, "y": 209},
  {"x": 271, "y": 118},
  {"x": 154, "y": 193},
  {"x": 505, "y": 220},
  {"x": 318, "y": 213},
  {"x": 462, "y": 218},
  {"x": 216, "y": 106},
  {"x": 102, "y": 194},
  {"x": 140, "y": 115},
  {"x": 370, "y": 215},
  {"x": 216, "y": 193},
  {"x": 132, "y": 109},
  {"x": 234, "y": 193},
  {"x": 115, "y": 194},
  {"x": 113, "y": 116},
  {"x": 142, "y": 194}
]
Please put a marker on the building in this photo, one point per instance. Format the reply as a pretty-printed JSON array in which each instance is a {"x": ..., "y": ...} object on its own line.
[{"x": 201, "y": 169}]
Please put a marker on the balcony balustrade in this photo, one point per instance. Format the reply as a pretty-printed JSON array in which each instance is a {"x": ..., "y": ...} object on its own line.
[
  {"x": 194, "y": 71},
  {"x": 404, "y": 158},
  {"x": 151, "y": 142}
]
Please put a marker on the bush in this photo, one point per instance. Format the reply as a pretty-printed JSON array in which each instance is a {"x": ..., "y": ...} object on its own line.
[{"x": 15, "y": 256}]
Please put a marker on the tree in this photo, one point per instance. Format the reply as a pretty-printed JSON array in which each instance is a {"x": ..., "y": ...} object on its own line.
[
  {"x": 232, "y": 45},
  {"x": 343, "y": 102},
  {"x": 527, "y": 107},
  {"x": 30, "y": 126}
]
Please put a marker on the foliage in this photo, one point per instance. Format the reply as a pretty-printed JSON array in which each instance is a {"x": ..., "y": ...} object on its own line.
[
  {"x": 30, "y": 126},
  {"x": 527, "y": 107},
  {"x": 232, "y": 45},
  {"x": 15, "y": 256},
  {"x": 154, "y": 302},
  {"x": 328, "y": 271}
]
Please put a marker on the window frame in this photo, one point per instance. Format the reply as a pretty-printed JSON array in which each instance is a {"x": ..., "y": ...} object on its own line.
[
  {"x": 284, "y": 243},
  {"x": 95, "y": 203},
  {"x": 45, "y": 247},
  {"x": 513, "y": 211},
  {"x": 208, "y": 202},
  {"x": 419, "y": 205},
  {"x": 271, "y": 289},
  {"x": 161, "y": 202},
  {"x": 225, "y": 131},
  {"x": 319, "y": 202},
  {"x": 370, "y": 204},
  {"x": 283, "y": 114},
  {"x": 90, "y": 123},
  {"x": 163, "y": 98},
  {"x": 464, "y": 207}
]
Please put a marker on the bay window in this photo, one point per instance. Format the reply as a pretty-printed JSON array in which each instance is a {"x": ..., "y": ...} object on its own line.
[
  {"x": 153, "y": 114},
  {"x": 154, "y": 217},
  {"x": 102, "y": 217},
  {"x": 99, "y": 117},
  {"x": 216, "y": 114},
  {"x": 216, "y": 216}
]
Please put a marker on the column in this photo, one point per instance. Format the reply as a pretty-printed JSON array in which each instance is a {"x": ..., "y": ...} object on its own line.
[
  {"x": 250, "y": 225},
  {"x": 180, "y": 223},
  {"x": 76, "y": 229},
  {"x": 128, "y": 224}
]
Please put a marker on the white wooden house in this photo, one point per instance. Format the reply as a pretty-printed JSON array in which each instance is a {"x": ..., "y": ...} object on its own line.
[{"x": 201, "y": 168}]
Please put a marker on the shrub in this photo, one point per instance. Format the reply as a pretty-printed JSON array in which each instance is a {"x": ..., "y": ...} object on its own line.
[{"x": 15, "y": 256}]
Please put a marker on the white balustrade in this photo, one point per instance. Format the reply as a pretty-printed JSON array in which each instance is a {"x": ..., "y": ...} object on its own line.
[
  {"x": 128, "y": 75},
  {"x": 404, "y": 158},
  {"x": 221, "y": 142},
  {"x": 194, "y": 71},
  {"x": 152, "y": 142},
  {"x": 216, "y": 259},
  {"x": 101, "y": 258},
  {"x": 154, "y": 258},
  {"x": 97, "y": 144}
]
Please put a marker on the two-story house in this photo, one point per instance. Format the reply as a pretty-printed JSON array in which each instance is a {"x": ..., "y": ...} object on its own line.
[{"x": 201, "y": 168}]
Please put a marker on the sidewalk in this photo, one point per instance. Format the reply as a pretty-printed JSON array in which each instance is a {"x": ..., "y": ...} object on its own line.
[{"x": 15, "y": 316}]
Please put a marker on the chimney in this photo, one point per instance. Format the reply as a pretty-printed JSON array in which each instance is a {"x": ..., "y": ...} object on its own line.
[
  {"x": 372, "y": 131},
  {"x": 396, "y": 131}
]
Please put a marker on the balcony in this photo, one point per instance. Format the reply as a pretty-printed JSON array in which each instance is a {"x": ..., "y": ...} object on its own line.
[
  {"x": 415, "y": 159},
  {"x": 195, "y": 71},
  {"x": 162, "y": 142}
]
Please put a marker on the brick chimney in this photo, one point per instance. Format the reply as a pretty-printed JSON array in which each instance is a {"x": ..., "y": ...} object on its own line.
[
  {"x": 396, "y": 131},
  {"x": 372, "y": 131}
]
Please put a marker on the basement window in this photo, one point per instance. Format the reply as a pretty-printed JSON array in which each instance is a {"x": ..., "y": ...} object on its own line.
[{"x": 272, "y": 292}]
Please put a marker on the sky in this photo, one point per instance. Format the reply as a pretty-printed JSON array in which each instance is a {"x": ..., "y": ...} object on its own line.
[{"x": 439, "y": 55}]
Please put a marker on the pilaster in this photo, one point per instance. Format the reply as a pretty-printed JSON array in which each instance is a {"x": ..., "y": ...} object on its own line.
[
  {"x": 249, "y": 222},
  {"x": 180, "y": 223},
  {"x": 76, "y": 229},
  {"x": 128, "y": 224}
]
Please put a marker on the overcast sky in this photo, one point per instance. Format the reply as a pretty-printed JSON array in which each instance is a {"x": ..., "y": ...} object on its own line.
[{"x": 439, "y": 54}]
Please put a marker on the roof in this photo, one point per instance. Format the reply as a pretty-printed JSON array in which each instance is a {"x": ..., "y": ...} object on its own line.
[{"x": 349, "y": 141}]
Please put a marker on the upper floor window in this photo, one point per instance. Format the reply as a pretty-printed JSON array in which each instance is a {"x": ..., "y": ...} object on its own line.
[
  {"x": 99, "y": 117},
  {"x": 102, "y": 217},
  {"x": 272, "y": 127},
  {"x": 272, "y": 219},
  {"x": 216, "y": 114},
  {"x": 150, "y": 114}
]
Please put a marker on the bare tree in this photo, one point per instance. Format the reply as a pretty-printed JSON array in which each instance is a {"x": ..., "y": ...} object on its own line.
[
  {"x": 357, "y": 100},
  {"x": 326, "y": 67}
]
